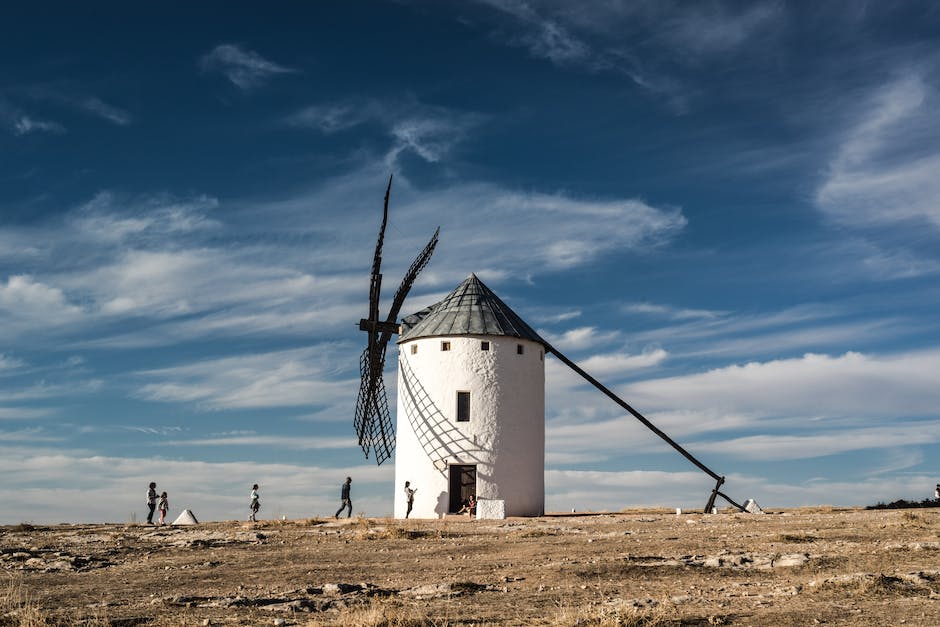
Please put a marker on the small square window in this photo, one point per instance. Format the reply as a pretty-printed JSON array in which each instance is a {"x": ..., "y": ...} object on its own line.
[
  {"x": 445, "y": 346},
  {"x": 520, "y": 349},
  {"x": 414, "y": 349},
  {"x": 484, "y": 346},
  {"x": 463, "y": 406}
]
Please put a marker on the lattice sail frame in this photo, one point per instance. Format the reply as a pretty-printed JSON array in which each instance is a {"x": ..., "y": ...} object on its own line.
[{"x": 372, "y": 419}]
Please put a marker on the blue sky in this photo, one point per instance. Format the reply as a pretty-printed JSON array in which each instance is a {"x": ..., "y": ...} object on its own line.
[{"x": 727, "y": 212}]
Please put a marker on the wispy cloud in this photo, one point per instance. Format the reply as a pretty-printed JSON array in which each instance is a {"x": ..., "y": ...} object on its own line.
[
  {"x": 102, "y": 109},
  {"x": 333, "y": 118},
  {"x": 717, "y": 28},
  {"x": 643, "y": 41},
  {"x": 821, "y": 443},
  {"x": 582, "y": 338},
  {"x": 21, "y": 123},
  {"x": 75, "y": 98},
  {"x": 812, "y": 386},
  {"x": 293, "y": 443},
  {"x": 245, "y": 68},
  {"x": 884, "y": 171},
  {"x": 298, "y": 377},
  {"x": 672, "y": 313},
  {"x": 428, "y": 132}
]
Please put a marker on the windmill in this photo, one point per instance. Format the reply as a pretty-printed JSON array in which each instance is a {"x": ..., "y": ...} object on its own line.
[
  {"x": 454, "y": 331},
  {"x": 373, "y": 423}
]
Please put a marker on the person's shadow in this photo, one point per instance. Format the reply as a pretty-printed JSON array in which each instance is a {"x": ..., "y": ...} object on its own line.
[{"x": 442, "y": 504}]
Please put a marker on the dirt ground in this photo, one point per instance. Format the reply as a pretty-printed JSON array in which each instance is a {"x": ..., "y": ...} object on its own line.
[{"x": 640, "y": 567}]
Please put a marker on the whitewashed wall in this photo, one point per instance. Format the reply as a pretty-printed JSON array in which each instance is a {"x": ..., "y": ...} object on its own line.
[{"x": 505, "y": 437}]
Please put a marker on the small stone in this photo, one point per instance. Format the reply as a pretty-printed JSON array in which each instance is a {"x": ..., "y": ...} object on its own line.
[{"x": 279, "y": 621}]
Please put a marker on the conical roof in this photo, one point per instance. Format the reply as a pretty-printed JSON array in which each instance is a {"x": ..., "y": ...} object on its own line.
[{"x": 471, "y": 309}]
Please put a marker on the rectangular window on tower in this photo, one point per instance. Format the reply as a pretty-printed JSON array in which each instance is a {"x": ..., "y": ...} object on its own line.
[
  {"x": 414, "y": 349},
  {"x": 463, "y": 406},
  {"x": 484, "y": 346},
  {"x": 445, "y": 346},
  {"x": 520, "y": 349}
]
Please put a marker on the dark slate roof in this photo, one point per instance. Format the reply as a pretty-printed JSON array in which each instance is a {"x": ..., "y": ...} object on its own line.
[{"x": 471, "y": 309}]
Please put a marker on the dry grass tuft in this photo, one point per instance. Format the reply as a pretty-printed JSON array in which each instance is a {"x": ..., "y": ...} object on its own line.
[
  {"x": 23, "y": 527},
  {"x": 19, "y": 609},
  {"x": 537, "y": 533},
  {"x": 912, "y": 519},
  {"x": 378, "y": 613},
  {"x": 655, "y": 614},
  {"x": 796, "y": 538}
]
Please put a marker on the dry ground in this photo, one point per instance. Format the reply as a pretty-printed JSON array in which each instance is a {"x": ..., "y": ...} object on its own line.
[{"x": 793, "y": 567}]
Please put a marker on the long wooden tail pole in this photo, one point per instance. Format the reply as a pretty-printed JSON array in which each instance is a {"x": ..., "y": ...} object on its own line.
[{"x": 600, "y": 386}]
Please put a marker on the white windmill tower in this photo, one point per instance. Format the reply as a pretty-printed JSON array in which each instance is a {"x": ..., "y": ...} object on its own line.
[
  {"x": 471, "y": 399},
  {"x": 471, "y": 407}
]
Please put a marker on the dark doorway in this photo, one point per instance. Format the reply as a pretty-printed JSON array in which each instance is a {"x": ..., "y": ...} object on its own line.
[{"x": 463, "y": 485}]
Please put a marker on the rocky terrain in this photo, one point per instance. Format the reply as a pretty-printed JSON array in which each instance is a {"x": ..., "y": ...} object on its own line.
[{"x": 793, "y": 567}]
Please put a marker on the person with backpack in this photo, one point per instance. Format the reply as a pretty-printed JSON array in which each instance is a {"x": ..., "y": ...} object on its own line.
[{"x": 254, "y": 503}]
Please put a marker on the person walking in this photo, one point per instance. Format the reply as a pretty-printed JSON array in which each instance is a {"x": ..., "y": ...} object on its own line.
[
  {"x": 254, "y": 503},
  {"x": 151, "y": 501},
  {"x": 347, "y": 501},
  {"x": 164, "y": 506},
  {"x": 410, "y": 497}
]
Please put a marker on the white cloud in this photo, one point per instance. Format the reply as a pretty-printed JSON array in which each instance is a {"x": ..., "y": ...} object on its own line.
[
  {"x": 884, "y": 171},
  {"x": 24, "y": 298},
  {"x": 807, "y": 407},
  {"x": 557, "y": 231},
  {"x": 613, "y": 364},
  {"x": 109, "y": 218},
  {"x": 672, "y": 313},
  {"x": 290, "y": 443},
  {"x": 245, "y": 68},
  {"x": 23, "y": 413},
  {"x": 824, "y": 442},
  {"x": 814, "y": 385},
  {"x": 289, "y": 378},
  {"x": 581, "y": 338}
]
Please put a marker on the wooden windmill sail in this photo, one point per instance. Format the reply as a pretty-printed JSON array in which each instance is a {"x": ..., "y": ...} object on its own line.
[{"x": 373, "y": 423}]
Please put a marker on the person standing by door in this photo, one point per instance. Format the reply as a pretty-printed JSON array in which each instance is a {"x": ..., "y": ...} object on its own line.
[{"x": 347, "y": 501}]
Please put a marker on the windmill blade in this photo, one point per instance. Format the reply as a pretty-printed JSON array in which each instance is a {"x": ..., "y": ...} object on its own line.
[
  {"x": 372, "y": 420},
  {"x": 416, "y": 267},
  {"x": 375, "y": 282},
  {"x": 718, "y": 478}
]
